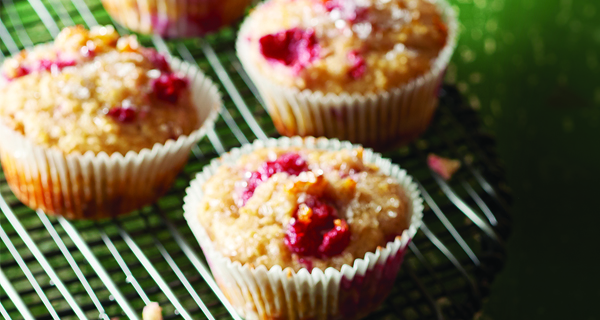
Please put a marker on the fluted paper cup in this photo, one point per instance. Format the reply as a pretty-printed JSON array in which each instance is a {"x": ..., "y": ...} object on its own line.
[
  {"x": 94, "y": 186},
  {"x": 374, "y": 119},
  {"x": 350, "y": 293},
  {"x": 175, "y": 18}
]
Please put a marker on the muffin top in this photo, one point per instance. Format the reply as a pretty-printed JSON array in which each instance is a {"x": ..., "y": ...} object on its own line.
[
  {"x": 354, "y": 46},
  {"x": 302, "y": 208},
  {"x": 95, "y": 91}
]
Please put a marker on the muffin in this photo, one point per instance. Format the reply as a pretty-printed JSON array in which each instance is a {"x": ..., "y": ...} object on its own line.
[
  {"x": 303, "y": 228},
  {"x": 94, "y": 125},
  {"x": 179, "y": 18},
  {"x": 367, "y": 71}
]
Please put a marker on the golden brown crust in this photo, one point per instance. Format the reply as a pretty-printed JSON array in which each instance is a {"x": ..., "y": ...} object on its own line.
[
  {"x": 396, "y": 39},
  {"x": 374, "y": 205},
  {"x": 72, "y": 108}
]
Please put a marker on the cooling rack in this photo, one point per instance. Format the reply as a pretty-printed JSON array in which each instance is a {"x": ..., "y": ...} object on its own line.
[{"x": 51, "y": 268}]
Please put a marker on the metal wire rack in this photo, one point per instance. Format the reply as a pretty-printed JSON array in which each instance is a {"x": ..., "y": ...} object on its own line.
[{"x": 51, "y": 268}]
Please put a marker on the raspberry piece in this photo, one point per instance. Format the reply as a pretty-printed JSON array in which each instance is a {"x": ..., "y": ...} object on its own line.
[
  {"x": 294, "y": 48},
  {"x": 322, "y": 214},
  {"x": 319, "y": 233},
  {"x": 443, "y": 166},
  {"x": 300, "y": 239},
  {"x": 291, "y": 163},
  {"x": 359, "y": 65},
  {"x": 336, "y": 239},
  {"x": 157, "y": 59},
  {"x": 124, "y": 115},
  {"x": 18, "y": 72},
  {"x": 255, "y": 179},
  {"x": 168, "y": 87},
  {"x": 41, "y": 65},
  {"x": 22, "y": 71},
  {"x": 332, "y": 4},
  {"x": 48, "y": 65}
]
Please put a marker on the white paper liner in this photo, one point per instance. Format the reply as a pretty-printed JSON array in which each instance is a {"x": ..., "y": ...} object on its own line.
[
  {"x": 373, "y": 119},
  {"x": 96, "y": 186},
  {"x": 352, "y": 292},
  {"x": 172, "y": 18}
]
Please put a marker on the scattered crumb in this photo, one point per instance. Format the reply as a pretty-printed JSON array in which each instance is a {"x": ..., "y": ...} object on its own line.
[
  {"x": 443, "y": 166},
  {"x": 152, "y": 312}
]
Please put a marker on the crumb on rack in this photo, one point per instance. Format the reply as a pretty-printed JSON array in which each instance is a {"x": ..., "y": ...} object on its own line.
[
  {"x": 152, "y": 312},
  {"x": 445, "y": 167}
]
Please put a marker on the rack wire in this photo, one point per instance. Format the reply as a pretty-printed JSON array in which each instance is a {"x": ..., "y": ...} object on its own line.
[{"x": 51, "y": 268}]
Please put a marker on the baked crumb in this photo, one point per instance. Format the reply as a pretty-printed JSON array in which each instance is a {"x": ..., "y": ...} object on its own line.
[
  {"x": 344, "y": 46},
  {"x": 314, "y": 208},
  {"x": 445, "y": 167},
  {"x": 92, "y": 90},
  {"x": 152, "y": 311}
]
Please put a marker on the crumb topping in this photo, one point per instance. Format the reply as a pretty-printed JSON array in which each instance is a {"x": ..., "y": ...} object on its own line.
[
  {"x": 345, "y": 46},
  {"x": 302, "y": 208},
  {"x": 92, "y": 90}
]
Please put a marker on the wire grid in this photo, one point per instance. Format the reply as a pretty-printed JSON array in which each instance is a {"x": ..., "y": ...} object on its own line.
[{"x": 51, "y": 268}]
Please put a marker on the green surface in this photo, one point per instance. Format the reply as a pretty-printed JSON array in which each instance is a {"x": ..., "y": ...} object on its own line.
[{"x": 532, "y": 68}]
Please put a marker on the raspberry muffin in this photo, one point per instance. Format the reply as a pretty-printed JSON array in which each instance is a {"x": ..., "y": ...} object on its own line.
[
  {"x": 179, "y": 18},
  {"x": 363, "y": 70},
  {"x": 303, "y": 229},
  {"x": 94, "y": 125}
]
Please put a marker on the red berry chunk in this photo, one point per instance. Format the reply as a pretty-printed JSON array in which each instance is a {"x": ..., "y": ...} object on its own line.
[
  {"x": 359, "y": 65},
  {"x": 302, "y": 240},
  {"x": 332, "y": 4},
  {"x": 49, "y": 65},
  {"x": 124, "y": 115},
  {"x": 168, "y": 87},
  {"x": 336, "y": 239},
  {"x": 291, "y": 163},
  {"x": 157, "y": 59},
  {"x": 255, "y": 179},
  {"x": 294, "y": 47},
  {"x": 315, "y": 230},
  {"x": 42, "y": 65},
  {"x": 20, "y": 71},
  {"x": 322, "y": 214}
]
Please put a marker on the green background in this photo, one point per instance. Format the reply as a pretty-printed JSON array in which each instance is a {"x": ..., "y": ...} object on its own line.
[{"x": 532, "y": 68}]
